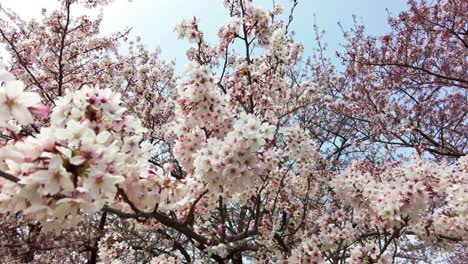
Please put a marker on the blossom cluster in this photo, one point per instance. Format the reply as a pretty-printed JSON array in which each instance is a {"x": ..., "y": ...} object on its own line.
[
  {"x": 257, "y": 22},
  {"x": 229, "y": 31},
  {"x": 219, "y": 149},
  {"x": 201, "y": 113},
  {"x": 113, "y": 249},
  {"x": 78, "y": 163},
  {"x": 368, "y": 253},
  {"x": 189, "y": 29},
  {"x": 163, "y": 259},
  {"x": 335, "y": 229},
  {"x": 235, "y": 166},
  {"x": 424, "y": 195},
  {"x": 307, "y": 252},
  {"x": 301, "y": 149}
]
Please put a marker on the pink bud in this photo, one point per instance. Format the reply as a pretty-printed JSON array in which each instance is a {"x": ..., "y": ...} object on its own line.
[{"x": 40, "y": 110}]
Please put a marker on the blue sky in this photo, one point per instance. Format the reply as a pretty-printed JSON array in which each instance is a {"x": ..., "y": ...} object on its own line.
[{"x": 154, "y": 20}]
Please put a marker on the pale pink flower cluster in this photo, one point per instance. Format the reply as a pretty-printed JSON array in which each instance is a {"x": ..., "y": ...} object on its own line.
[
  {"x": 200, "y": 103},
  {"x": 301, "y": 149},
  {"x": 112, "y": 248},
  {"x": 165, "y": 259},
  {"x": 388, "y": 198},
  {"x": 307, "y": 252},
  {"x": 257, "y": 21},
  {"x": 297, "y": 174},
  {"x": 427, "y": 196},
  {"x": 229, "y": 31},
  {"x": 201, "y": 113},
  {"x": 234, "y": 163},
  {"x": 336, "y": 233},
  {"x": 189, "y": 29},
  {"x": 218, "y": 148},
  {"x": 370, "y": 253},
  {"x": 269, "y": 90},
  {"x": 76, "y": 164},
  {"x": 158, "y": 189},
  {"x": 451, "y": 219}
]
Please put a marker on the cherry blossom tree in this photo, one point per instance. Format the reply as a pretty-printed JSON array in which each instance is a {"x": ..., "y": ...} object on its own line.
[
  {"x": 65, "y": 52},
  {"x": 254, "y": 154},
  {"x": 407, "y": 88}
]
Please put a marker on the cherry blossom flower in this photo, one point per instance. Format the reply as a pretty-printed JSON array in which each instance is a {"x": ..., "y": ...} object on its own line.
[{"x": 15, "y": 102}]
